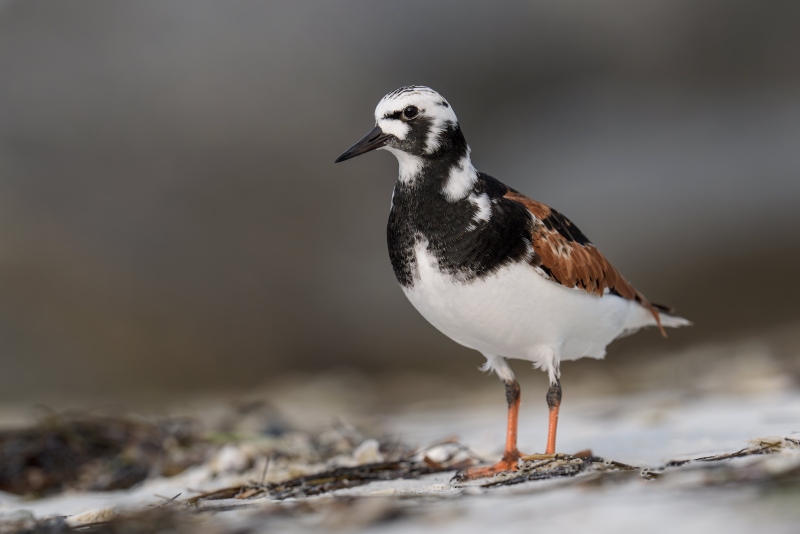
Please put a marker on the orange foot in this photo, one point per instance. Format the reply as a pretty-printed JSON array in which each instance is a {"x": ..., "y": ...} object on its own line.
[{"x": 508, "y": 463}]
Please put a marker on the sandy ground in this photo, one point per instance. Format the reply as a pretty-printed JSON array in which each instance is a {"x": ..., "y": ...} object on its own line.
[
  {"x": 738, "y": 399},
  {"x": 642, "y": 430}
]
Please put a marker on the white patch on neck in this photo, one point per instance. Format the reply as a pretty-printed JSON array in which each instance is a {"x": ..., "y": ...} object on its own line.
[
  {"x": 433, "y": 141},
  {"x": 484, "y": 206},
  {"x": 410, "y": 166},
  {"x": 461, "y": 180}
]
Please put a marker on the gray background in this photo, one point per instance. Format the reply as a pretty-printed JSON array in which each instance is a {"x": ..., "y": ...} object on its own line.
[{"x": 171, "y": 218}]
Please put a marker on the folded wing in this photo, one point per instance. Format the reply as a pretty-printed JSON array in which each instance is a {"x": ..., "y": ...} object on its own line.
[{"x": 568, "y": 257}]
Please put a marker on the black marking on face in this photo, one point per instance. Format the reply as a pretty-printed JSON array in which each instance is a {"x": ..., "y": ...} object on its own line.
[
  {"x": 451, "y": 142},
  {"x": 444, "y": 104},
  {"x": 562, "y": 225},
  {"x": 416, "y": 138},
  {"x": 407, "y": 114}
]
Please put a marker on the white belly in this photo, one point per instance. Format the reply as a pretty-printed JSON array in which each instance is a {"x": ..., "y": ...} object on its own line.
[{"x": 517, "y": 313}]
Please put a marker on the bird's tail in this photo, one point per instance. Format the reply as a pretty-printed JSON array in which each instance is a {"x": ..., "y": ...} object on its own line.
[
  {"x": 667, "y": 317},
  {"x": 673, "y": 321}
]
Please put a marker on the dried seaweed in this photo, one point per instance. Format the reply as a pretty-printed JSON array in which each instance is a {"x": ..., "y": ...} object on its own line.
[
  {"x": 559, "y": 466},
  {"x": 145, "y": 522},
  {"x": 761, "y": 446},
  {"x": 716, "y": 468},
  {"x": 94, "y": 452},
  {"x": 330, "y": 480},
  {"x": 333, "y": 514},
  {"x": 23, "y": 522},
  {"x": 758, "y": 447},
  {"x": 101, "y": 452}
]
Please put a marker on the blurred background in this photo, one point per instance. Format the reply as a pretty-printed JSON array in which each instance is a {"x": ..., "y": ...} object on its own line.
[{"x": 171, "y": 219}]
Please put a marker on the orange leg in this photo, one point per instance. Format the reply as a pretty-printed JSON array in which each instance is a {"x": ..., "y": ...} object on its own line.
[
  {"x": 511, "y": 454},
  {"x": 554, "y": 403}
]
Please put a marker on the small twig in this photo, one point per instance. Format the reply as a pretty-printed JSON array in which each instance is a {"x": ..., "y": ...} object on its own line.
[
  {"x": 264, "y": 472},
  {"x": 87, "y": 526},
  {"x": 169, "y": 501}
]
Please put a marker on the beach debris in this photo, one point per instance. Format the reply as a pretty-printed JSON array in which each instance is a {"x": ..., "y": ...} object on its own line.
[
  {"x": 92, "y": 452},
  {"x": 547, "y": 467},
  {"x": 368, "y": 452},
  {"x": 326, "y": 481},
  {"x": 271, "y": 476},
  {"x": 24, "y": 522}
]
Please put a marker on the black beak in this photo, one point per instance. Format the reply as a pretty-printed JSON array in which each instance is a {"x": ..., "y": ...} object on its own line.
[{"x": 375, "y": 139}]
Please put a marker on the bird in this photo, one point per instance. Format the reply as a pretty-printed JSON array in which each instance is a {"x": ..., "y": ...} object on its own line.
[{"x": 492, "y": 269}]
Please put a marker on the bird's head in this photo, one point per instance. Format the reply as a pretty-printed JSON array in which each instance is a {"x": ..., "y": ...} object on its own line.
[{"x": 414, "y": 123}]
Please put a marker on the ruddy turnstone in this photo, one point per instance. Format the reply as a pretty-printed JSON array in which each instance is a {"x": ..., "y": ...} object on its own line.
[{"x": 492, "y": 269}]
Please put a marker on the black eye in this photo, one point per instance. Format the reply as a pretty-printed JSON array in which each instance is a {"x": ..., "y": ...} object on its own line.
[{"x": 410, "y": 112}]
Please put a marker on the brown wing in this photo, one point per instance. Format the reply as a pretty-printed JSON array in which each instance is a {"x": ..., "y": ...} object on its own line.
[{"x": 569, "y": 258}]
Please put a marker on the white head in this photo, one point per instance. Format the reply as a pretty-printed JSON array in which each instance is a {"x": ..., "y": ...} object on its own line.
[
  {"x": 415, "y": 110},
  {"x": 413, "y": 121}
]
